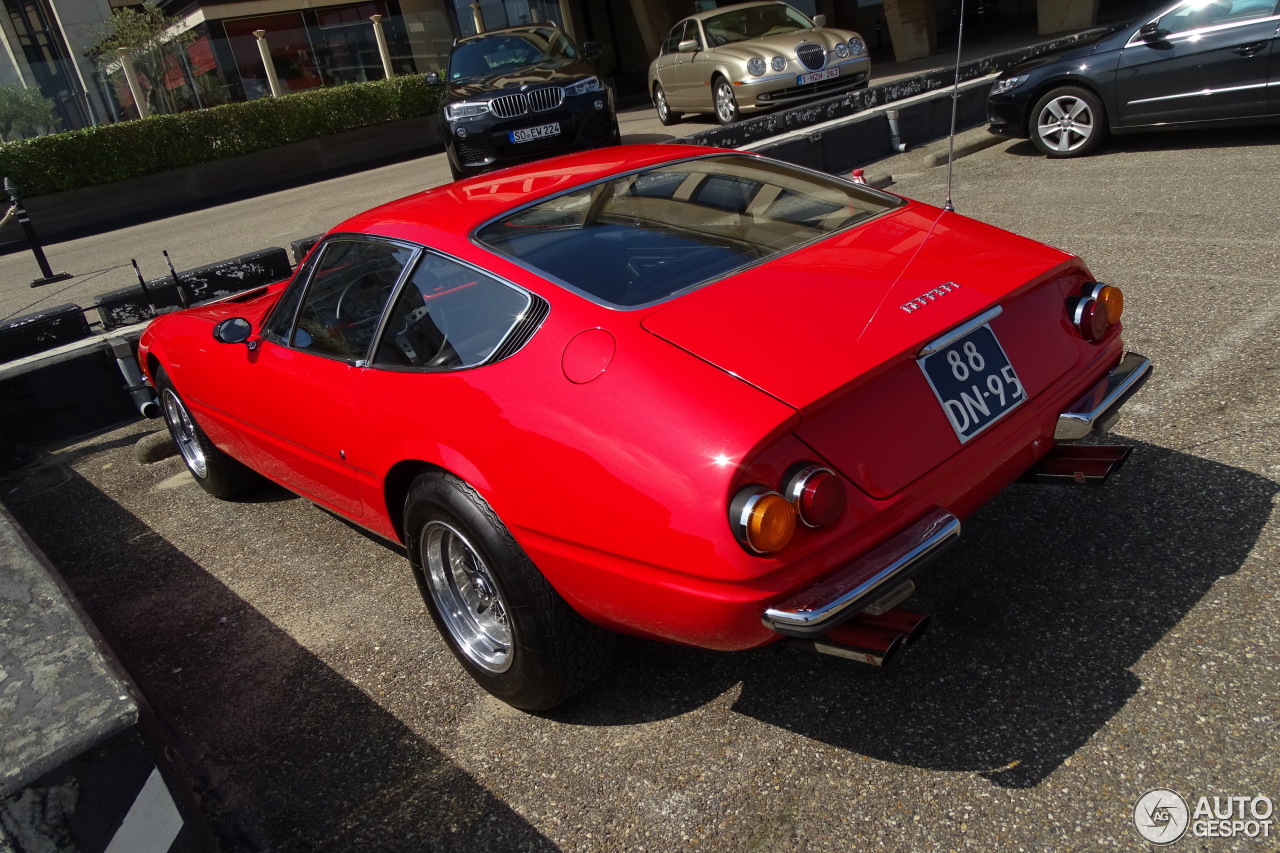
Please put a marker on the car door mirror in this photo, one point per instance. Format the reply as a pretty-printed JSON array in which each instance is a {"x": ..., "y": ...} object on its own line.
[
  {"x": 819, "y": 20},
  {"x": 590, "y": 48},
  {"x": 1152, "y": 32},
  {"x": 688, "y": 46},
  {"x": 433, "y": 78},
  {"x": 233, "y": 331}
]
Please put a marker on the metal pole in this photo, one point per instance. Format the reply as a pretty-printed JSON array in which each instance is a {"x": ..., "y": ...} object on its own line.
[
  {"x": 382, "y": 45},
  {"x": 477, "y": 17},
  {"x": 20, "y": 211},
  {"x": 265, "y": 52},
  {"x": 131, "y": 76}
]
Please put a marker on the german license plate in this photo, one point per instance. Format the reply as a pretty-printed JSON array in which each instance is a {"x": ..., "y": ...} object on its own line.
[
  {"x": 974, "y": 382},
  {"x": 528, "y": 134},
  {"x": 818, "y": 76}
]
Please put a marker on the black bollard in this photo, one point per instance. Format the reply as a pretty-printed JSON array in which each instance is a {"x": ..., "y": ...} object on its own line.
[{"x": 21, "y": 212}]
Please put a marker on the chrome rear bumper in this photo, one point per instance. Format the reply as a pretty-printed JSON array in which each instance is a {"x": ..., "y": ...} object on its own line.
[
  {"x": 1096, "y": 411},
  {"x": 840, "y": 597}
]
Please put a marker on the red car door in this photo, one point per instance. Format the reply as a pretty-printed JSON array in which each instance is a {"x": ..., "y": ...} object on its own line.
[{"x": 300, "y": 384}]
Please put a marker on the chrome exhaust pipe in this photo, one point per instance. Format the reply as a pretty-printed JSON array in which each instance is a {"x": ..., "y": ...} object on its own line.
[
  {"x": 134, "y": 383},
  {"x": 910, "y": 625},
  {"x": 853, "y": 642},
  {"x": 1077, "y": 464}
]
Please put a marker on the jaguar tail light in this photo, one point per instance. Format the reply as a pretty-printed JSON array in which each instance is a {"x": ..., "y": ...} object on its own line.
[
  {"x": 1096, "y": 310},
  {"x": 762, "y": 519},
  {"x": 817, "y": 494}
]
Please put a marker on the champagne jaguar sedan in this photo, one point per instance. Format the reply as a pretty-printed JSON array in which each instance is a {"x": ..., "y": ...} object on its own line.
[{"x": 743, "y": 59}]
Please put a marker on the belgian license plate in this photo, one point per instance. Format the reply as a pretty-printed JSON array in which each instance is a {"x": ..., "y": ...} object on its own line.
[
  {"x": 818, "y": 76},
  {"x": 974, "y": 382},
  {"x": 528, "y": 134}
]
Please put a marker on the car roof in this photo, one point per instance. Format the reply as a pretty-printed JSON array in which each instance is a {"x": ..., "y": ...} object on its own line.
[
  {"x": 522, "y": 28},
  {"x": 458, "y": 208},
  {"x": 711, "y": 13}
]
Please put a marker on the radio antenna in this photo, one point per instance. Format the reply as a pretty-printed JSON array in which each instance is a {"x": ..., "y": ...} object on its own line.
[{"x": 955, "y": 100}]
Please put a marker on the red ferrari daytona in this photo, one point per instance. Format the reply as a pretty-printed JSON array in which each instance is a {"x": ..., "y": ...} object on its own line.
[{"x": 682, "y": 393}]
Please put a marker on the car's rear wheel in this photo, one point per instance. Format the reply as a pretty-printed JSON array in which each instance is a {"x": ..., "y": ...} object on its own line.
[
  {"x": 726, "y": 103},
  {"x": 508, "y": 627},
  {"x": 1068, "y": 122},
  {"x": 217, "y": 473},
  {"x": 666, "y": 115}
]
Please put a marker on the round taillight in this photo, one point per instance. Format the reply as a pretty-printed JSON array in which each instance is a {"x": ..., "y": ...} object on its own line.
[
  {"x": 1110, "y": 296},
  {"x": 762, "y": 519},
  {"x": 817, "y": 494},
  {"x": 1091, "y": 319}
]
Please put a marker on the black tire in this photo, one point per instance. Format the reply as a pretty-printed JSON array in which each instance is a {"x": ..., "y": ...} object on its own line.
[
  {"x": 217, "y": 473},
  {"x": 724, "y": 102},
  {"x": 1068, "y": 122},
  {"x": 666, "y": 115},
  {"x": 506, "y": 625}
]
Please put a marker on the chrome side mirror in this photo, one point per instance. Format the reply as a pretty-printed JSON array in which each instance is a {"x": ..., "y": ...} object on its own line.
[
  {"x": 1152, "y": 32},
  {"x": 819, "y": 20},
  {"x": 236, "y": 330},
  {"x": 687, "y": 46}
]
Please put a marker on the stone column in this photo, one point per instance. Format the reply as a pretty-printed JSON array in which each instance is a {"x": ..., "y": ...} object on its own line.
[
  {"x": 911, "y": 28},
  {"x": 265, "y": 52},
  {"x": 1060, "y": 16},
  {"x": 131, "y": 77},
  {"x": 382, "y": 45}
]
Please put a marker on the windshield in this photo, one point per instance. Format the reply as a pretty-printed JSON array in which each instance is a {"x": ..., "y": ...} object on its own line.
[
  {"x": 753, "y": 22},
  {"x": 508, "y": 51},
  {"x": 643, "y": 237}
]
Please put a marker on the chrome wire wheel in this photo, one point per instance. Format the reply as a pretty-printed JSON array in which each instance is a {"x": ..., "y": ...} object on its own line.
[
  {"x": 466, "y": 597},
  {"x": 1066, "y": 124},
  {"x": 184, "y": 433}
]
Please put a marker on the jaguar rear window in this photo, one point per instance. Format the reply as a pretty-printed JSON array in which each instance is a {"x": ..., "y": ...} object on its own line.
[{"x": 643, "y": 237}]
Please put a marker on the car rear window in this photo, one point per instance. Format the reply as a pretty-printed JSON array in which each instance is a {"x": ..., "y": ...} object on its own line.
[{"x": 643, "y": 237}]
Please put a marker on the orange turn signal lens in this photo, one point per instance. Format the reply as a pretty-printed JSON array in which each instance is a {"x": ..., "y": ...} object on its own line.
[
  {"x": 762, "y": 519},
  {"x": 1110, "y": 296}
]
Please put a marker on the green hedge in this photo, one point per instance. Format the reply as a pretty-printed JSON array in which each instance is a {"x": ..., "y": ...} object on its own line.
[{"x": 131, "y": 149}]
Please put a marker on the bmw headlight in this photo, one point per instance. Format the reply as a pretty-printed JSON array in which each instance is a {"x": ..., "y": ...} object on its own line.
[
  {"x": 1007, "y": 83},
  {"x": 857, "y": 47},
  {"x": 584, "y": 87},
  {"x": 778, "y": 63},
  {"x": 755, "y": 67},
  {"x": 465, "y": 109},
  {"x": 842, "y": 50}
]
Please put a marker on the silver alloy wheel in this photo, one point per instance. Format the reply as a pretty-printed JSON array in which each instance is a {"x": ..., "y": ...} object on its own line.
[
  {"x": 726, "y": 105},
  {"x": 184, "y": 433},
  {"x": 466, "y": 597},
  {"x": 660, "y": 101},
  {"x": 1066, "y": 123}
]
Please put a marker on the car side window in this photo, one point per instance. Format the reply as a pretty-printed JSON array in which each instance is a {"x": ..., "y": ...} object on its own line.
[
  {"x": 1198, "y": 14},
  {"x": 449, "y": 316},
  {"x": 349, "y": 287},
  {"x": 672, "y": 44}
]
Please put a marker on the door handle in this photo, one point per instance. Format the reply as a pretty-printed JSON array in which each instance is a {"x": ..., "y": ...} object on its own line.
[{"x": 1250, "y": 49}]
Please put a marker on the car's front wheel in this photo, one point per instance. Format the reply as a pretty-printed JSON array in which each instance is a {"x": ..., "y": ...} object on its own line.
[
  {"x": 1068, "y": 122},
  {"x": 726, "y": 103},
  {"x": 665, "y": 114},
  {"x": 217, "y": 473},
  {"x": 509, "y": 628}
]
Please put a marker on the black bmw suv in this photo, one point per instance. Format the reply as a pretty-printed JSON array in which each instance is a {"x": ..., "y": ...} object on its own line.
[{"x": 519, "y": 94}]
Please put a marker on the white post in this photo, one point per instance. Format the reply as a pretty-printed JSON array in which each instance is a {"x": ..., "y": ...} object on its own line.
[
  {"x": 382, "y": 45},
  {"x": 139, "y": 99},
  {"x": 265, "y": 52}
]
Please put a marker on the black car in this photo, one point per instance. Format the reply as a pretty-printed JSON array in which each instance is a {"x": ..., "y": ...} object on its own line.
[
  {"x": 1197, "y": 63},
  {"x": 519, "y": 94}
]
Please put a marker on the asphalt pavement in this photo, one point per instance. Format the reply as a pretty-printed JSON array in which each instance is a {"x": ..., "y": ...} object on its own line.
[{"x": 1088, "y": 645}]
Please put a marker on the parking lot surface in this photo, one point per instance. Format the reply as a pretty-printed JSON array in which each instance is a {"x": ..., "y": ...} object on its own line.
[{"x": 1088, "y": 645}]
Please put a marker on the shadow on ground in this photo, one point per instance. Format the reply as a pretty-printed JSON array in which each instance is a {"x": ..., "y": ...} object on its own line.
[
  {"x": 1053, "y": 595},
  {"x": 283, "y": 753}
]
